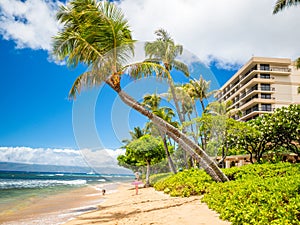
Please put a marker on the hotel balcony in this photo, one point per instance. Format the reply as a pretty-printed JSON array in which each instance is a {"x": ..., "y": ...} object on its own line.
[{"x": 255, "y": 111}]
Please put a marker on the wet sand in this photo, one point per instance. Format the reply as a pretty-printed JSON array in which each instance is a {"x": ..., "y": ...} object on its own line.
[
  {"x": 148, "y": 207},
  {"x": 55, "y": 209}
]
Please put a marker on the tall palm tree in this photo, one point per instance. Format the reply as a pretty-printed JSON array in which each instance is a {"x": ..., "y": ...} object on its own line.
[
  {"x": 199, "y": 90},
  {"x": 282, "y": 4},
  {"x": 136, "y": 133},
  {"x": 167, "y": 115},
  {"x": 185, "y": 110},
  {"x": 98, "y": 35},
  {"x": 152, "y": 102},
  {"x": 164, "y": 50},
  {"x": 224, "y": 110}
]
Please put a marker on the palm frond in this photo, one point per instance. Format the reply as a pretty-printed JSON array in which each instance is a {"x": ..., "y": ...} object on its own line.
[
  {"x": 282, "y": 4},
  {"x": 163, "y": 35},
  {"x": 180, "y": 66},
  {"x": 153, "y": 60},
  {"x": 91, "y": 29},
  {"x": 145, "y": 69},
  {"x": 87, "y": 80}
]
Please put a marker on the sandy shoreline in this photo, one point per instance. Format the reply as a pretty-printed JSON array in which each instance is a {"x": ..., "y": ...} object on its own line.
[
  {"x": 148, "y": 207},
  {"x": 55, "y": 209}
]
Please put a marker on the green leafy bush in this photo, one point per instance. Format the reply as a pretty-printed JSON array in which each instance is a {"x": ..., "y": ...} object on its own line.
[
  {"x": 262, "y": 171},
  {"x": 256, "y": 194},
  {"x": 273, "y": 200},
  {"x": 154, "y": 178},
  {"x": 185, "y": 183}
]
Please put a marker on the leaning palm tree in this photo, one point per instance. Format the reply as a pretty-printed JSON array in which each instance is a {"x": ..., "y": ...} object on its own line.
[
  {"x": 98, "y": 35},
  {"x": 164, "y": 50},
  {"x": 282, "y": 4}
]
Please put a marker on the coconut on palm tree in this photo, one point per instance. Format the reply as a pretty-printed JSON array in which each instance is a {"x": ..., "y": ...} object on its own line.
[{"x": 98, "y": 35}]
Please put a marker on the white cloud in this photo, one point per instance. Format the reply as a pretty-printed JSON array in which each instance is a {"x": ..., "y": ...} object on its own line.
[
  {"x": 101, "y": 157},
  {"x": 31, "y": 24},
  {"x": 61, "y": 157},
  {"x": 230, "y": 31},
  {"x": 115, "y": 153}
]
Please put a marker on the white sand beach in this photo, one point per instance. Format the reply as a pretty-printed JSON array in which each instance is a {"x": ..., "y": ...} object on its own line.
[{"x": 148, "y": 207}]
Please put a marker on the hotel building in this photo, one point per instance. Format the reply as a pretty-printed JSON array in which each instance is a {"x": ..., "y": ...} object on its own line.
[{"x": 262, "y": 85}]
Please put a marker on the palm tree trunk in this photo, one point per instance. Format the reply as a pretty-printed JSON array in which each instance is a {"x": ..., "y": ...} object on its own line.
[
  {"x": 202, "y": 105},
  {"x": 170, "y": 161},
  {"x": 148, "y": 174},
  {"x": 180, "y": 114},
  {"x": 192, "y": 129},
  {"x": 187, "y": 144}
]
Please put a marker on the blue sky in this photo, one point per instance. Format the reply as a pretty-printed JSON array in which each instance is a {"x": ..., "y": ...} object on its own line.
[{"x": 35, "y": 110}]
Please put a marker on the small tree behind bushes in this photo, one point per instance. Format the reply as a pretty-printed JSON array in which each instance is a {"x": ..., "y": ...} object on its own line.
[{"x": 271, "y": 133}]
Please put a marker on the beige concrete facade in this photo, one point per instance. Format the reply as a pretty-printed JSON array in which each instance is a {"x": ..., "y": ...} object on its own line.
[{"x": 262, "y": 85}]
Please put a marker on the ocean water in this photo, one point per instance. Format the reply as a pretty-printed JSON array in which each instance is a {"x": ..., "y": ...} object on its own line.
[
  {"x": 21, "y": 184},
  {"x": 15, "y": 187}
]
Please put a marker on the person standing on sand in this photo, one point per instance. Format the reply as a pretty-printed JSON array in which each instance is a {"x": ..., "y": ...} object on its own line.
[{"x": 136, "y": 182}]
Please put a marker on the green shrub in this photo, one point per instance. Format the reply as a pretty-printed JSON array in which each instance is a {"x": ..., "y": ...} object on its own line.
[
  {"x": 154, "y": 178},
  {"x": 273, "y": 200},
  {"x": 185, "y": 183},
  {"x": 262, "y": 170}
]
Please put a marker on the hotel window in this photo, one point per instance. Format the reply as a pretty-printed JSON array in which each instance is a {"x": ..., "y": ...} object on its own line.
[
  {"x": 255, "y": 108},
  {"x": 264, "y": 67},
  {"x": 265, "y": 76},
  {"x": 265, "y": 87},
  {"x": 266, "y": 107},
  {"x": 265, "y": 96}
]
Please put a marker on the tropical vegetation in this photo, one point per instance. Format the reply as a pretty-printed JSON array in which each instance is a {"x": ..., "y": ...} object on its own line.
[
  {"x": 98, "y": 35},
  {"x": 144, "y": 151}
]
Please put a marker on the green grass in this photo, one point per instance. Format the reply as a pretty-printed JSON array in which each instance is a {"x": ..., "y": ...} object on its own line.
[{"x": 256, "y": 194}]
